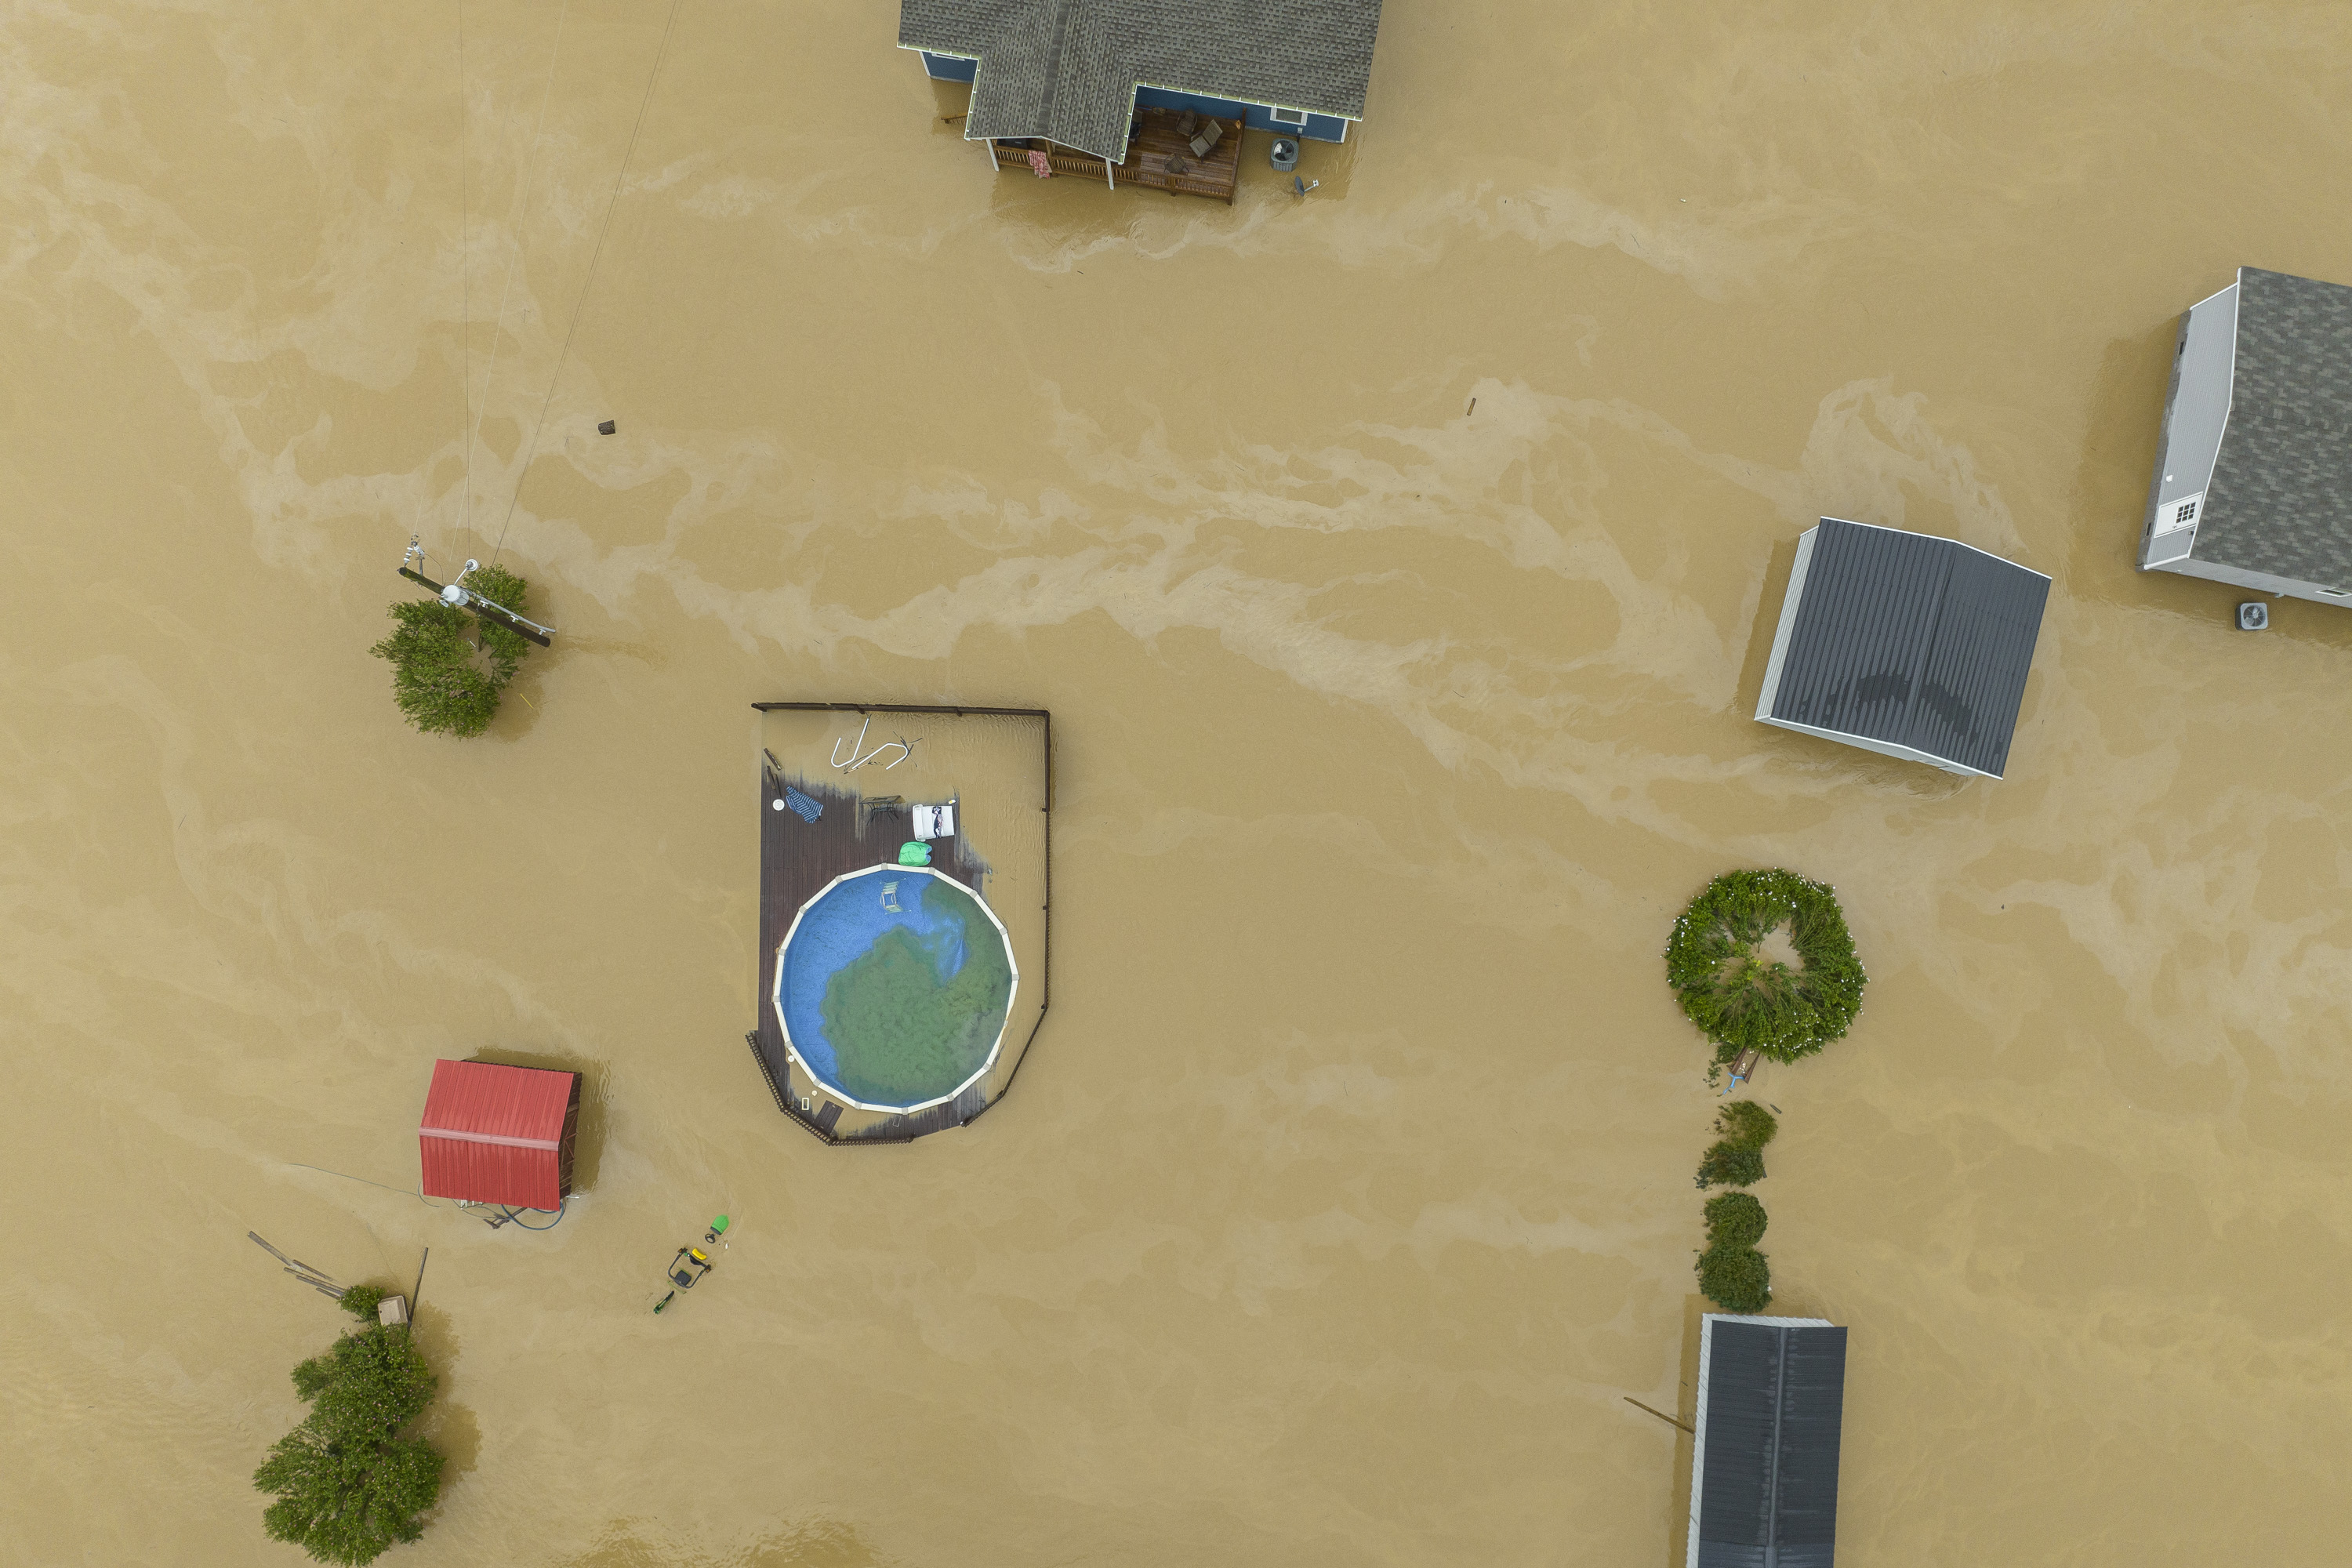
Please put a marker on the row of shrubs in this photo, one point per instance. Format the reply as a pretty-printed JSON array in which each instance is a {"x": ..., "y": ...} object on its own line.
[
  {"x": 1731, "y": 1273},
  {"x": 1743, "y": 1001}
]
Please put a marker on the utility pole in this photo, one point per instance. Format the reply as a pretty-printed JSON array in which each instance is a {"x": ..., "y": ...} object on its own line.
[{"x": 459, "y": 596}]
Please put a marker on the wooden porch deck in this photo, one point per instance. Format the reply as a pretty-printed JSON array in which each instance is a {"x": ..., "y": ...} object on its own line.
[
  {"x": 1159, "y": 158},
  {"x": 853, "y": 831}
]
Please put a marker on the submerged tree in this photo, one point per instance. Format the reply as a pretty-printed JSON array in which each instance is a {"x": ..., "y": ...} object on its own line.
[
  {"x": 1746, "y": 1125},
  {"x": 444, "y": 683},
  {"x": 1742, "y": 998},
  {"x": 1735, "y": 1279},
  {"x": 1729, "y": 1165},
  {"x": 348, "y": 1484},
  {"x": 1734, "y": 1219}
]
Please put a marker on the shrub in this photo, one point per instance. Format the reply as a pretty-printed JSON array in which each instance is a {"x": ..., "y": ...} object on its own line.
[
  {"x": 435, "y": 680},
  {"x": 1734, "y": 1219},
  {"x": 1729, "y": 1165},
  {"x": 1743, "y": 1001},
  {"x": 362, "y": 1300},
  {"x": 347, "y": 1484},
  {"x": 1735, "y": 1279},
  {"x": 1746, "y": 1124}
]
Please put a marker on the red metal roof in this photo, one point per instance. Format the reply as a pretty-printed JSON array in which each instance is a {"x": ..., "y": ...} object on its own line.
[{"x": 493, "y": 1135}]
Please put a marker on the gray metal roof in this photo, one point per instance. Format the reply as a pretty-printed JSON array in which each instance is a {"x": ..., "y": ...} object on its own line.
[
  {"x": 1068, "y": 69},
  {"x": 1771, "y": 1414},
  {"x": 1911, "y": 640},
  {"x": 2281, "y": 497}
]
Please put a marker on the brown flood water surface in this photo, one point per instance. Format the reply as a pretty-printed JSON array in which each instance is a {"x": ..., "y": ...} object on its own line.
[{"x": 1346, "y": 1191}]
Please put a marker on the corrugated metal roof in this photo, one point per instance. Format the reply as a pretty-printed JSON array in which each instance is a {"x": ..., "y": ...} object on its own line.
[
  {"x": 1771, "y": 1418},
  {"x": 494, "y": 1134},
  {"x": 1068, "y": 69},
  {"x": 1912, "y": 640},
  {"x": 2281, "y": 497}
]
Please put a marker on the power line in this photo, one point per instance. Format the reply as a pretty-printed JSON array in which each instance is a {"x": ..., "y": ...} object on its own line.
[
  {"x": 497, "y": 328},
  {"x": 532, "y": 451},
  {"x": 464, "y": 265}
]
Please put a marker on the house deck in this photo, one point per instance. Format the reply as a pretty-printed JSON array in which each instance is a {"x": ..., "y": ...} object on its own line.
[
  {"x": 997, "y": 762},
  {"x": 1159, "y": 158}
]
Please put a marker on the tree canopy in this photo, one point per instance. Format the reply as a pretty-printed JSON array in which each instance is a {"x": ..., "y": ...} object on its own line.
[
  {"x": 437, "y": 680},
  {"x": 1734, "y": 1219},
  {"x": 348, "y": 1484},
  {"x": 1746, "y": 1124},
  {"x": 1735, "y": 1279},
  {"x": 1727, "y": 1164},
  {"x": 1744, "y": 1000}
]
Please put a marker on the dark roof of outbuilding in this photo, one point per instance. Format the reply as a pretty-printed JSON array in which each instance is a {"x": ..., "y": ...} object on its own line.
[
  {"x": 1913, "y": 641},
  {"x": 1768, "y": 1456},
  {"x": 1068, "y": 69},
  {"x": 2281, "y": 497}
]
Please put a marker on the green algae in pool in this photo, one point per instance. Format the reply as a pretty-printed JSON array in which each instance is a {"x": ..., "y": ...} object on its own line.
[{"x": 910, "y": 1022}]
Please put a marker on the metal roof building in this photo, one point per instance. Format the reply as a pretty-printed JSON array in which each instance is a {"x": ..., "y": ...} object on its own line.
[
  {"x": 1070, "y": 70},
  {"x": 2254, "y": 472},
  {"x": 497, "y": 1134},
  {"x": 1904, "y": 644},
  {"x": 1764, "y": 1462}
]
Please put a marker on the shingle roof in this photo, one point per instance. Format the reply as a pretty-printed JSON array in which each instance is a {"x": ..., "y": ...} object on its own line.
[
  {"x": 1765, "y": 1487},
  {"x": 1912, "y": 640},
  {"x": 2281, "y": 497},
  {"x": 1068, "y": 69}
]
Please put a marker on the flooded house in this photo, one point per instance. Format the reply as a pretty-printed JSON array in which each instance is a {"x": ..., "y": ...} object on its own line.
[
  {"x": 1156, "y": 96},
  {"x": 1765, "y": 1438},
  {"x": 1904, "y": 644},
  {"x": 2253, "y": 476}
]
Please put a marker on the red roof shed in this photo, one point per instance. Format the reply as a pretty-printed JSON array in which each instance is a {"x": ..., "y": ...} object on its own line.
[{"x": 497, "y": 1134}]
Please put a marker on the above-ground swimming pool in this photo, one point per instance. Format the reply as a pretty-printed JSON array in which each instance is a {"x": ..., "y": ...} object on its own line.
[{"x": 893, "y": 985}]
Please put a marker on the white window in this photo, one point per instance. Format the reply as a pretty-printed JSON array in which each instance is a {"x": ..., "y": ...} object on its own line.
[
  {"x": 1289, "y": 117},
  {"x": 2334, "y": 593},
  {"x": 2180, "y": 512}
]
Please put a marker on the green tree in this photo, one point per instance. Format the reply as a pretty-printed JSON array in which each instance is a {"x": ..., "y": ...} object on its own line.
[
  {"x": 1729, "y": 1165},
  {"x": 347, "y": 1484},
  {"x": 1734, "y": 1219},
  {"x": 362, "y": 1300},
  {"x": 1735, "y": 1279},
  {"x": 441, "y": 685},
  {"x": 1746, "y": 1124},
  {"x": 1742, "y": 999}
]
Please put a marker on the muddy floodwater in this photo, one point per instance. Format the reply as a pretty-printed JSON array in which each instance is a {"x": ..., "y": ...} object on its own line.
[{"x": 1399, "y": 564}]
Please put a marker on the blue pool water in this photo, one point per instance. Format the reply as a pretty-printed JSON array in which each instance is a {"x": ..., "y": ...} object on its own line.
[{"x": 839, "y": 927}]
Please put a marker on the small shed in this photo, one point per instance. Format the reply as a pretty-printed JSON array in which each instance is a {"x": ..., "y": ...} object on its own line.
[
  {"x": 1904, "y": 644},
  {"x": 1764, "y": 1458},
  {"x": 2253, "y": 473},
  {"x": 499, "y": 1134},
  {"x": 1076, "y": 74}
]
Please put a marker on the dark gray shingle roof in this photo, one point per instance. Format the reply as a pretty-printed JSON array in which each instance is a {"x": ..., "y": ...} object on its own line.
[
  {"x": 2281, "y": 497},
  {"x": 1912, "y": 640},
  {"x": 1769, "y": 1463},
  {"x": 1068, "y": 69}
]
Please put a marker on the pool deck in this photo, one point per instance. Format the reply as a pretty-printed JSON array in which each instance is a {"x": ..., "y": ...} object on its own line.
[{"x": 997, "y": 762}]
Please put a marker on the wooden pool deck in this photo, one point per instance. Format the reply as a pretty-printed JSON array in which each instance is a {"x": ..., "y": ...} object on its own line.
[
  {"x": 1159, "y": 158},
  {"x": 865, "y": 817}
]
